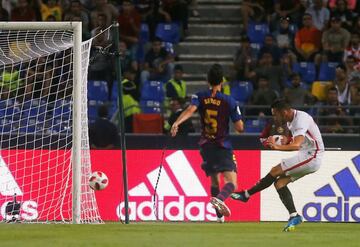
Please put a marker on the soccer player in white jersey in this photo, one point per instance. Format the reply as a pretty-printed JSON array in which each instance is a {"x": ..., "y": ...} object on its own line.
[{"x": 308, "y": 141}]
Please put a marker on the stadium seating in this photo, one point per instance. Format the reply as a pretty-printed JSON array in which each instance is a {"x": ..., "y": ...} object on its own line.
[
  {"x": 169, "y": 47},
  {"x": 92, "y": 108},
  {"x": 307, "y": 71},
  {"x": 5, "y": 125},
  {"x": 148, "y": 123},
  {"x": 144, "y": 33},
  {"x": 60, "y": 126},
  {"x": 241, "y": 91},
  {"x": 152, "y": 90},
  {"x": 257, "y": 32},
  {"x": 254, "y": 125},
  {"x": 150, "y": 106},
  {"x": 327, "y": 71},
  {"x": 98, "y": 90},
  {"x": 63, "y": 108},
  {"x": 168, "y": 32},
  {"x": 319, "y": 89}
]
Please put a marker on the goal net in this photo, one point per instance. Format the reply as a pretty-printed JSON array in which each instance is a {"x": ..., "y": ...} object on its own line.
[{"x": 44, "y": 155}]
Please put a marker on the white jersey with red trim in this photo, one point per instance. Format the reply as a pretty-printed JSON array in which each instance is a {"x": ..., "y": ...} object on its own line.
[{"x": 303, "y": 124}]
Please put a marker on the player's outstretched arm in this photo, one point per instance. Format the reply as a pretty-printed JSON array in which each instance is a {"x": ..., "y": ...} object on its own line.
[
  {"x": 292, "y": 146},
  {"x": 185, "y": 115}
]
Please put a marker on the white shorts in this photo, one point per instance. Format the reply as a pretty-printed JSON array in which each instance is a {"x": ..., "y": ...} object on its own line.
[{"x": 302, "y": 164}]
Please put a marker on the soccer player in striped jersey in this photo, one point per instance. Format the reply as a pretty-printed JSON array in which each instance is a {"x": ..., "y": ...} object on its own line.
[
  {"x": 215, "y": 109},
  {"x": 308, "y": 141}
]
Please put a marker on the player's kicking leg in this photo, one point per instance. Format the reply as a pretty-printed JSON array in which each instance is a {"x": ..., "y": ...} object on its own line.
[{"x": 263, "y": 183}]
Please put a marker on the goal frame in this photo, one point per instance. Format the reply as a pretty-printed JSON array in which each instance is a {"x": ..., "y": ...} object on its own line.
[{"x": 76, "y": 28}]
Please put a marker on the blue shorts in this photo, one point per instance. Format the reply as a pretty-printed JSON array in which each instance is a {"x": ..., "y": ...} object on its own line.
[{"x": 217, "y": 159}]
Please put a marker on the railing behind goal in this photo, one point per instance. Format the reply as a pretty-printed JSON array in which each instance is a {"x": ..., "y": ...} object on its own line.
[{"x": 44, "y": 156}]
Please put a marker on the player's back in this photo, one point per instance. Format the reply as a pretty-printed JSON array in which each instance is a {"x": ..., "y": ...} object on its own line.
[{"x": 215, "y": 113}]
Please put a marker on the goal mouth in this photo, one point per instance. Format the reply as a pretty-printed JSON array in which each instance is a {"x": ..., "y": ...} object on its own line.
[{"x": 45, "y": 152}]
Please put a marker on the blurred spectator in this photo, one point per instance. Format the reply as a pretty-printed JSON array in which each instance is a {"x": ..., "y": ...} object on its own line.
[
  {"x": 264, "y": 95},
  {"x": 176, "y": 87},
  {"x": 335, "y": 40},
  {"x": 307, "y": 40},
  {"x": 336, "y": 123},
  {"x": 354, "y": 47},
  {"x": 355, "y": 94},
  {"x": 102, "y": 6},
  {"x": 10, "y": 80},
  {"x": 88, "y": 4},
  {"x": 23, "y": 12},
  {"x": 352, "y": 68},
  {"x": 287, "y": 61},
  {"x": 129, "y": 25},
  {"x": 174, "y": 11},
  {"x": 102, "y": 38},
  {"x": 296, "y": 95},
  {"x": 176, "y": 107},
  {"x": 76, "y": 9},
  {"x": 130, "y": 98},
  {"x": 103, "y": 134},
  {"x": 193, "y": 7},
  {"x": 244, "y": 55},
  {"x": 50, "y": 18},
  {"x": 127, "y": 58},
  {"x": 158, "y": 63},
  {"x": 4, "y": 15},
  {"x": 320, "y": 14},
  {"x": 284, "y": 8},
  {"x": 266, "y": 68},
  {"x": 130, "y": 86},
  {"x": 284, "y": 35},
  {"x": 145, "y": 8},
  {"x": 341, "y": 10},
  {"x": 258, "y": 9},
  {"x": 350, "y": 4},
  {"x": 342, "y": 85},
  {"x": 356, "y": 24},
  {"x": 43, "y": 77},
  {"x": 270, "y": 47},
  {"x": 50, "y": 7},
  {"x": 101, "y": 61}
]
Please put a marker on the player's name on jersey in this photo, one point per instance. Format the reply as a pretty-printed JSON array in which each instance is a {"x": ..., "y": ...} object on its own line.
[{"x": 212, "y": 101}]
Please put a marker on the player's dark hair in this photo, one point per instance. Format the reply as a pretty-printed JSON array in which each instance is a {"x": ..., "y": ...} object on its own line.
[
  {"x": 215, "y": 75},
  {"x": 280, "y": 104}
]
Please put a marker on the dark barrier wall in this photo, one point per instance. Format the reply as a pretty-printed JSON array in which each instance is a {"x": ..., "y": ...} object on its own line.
[{"x": 242, "y": 141}]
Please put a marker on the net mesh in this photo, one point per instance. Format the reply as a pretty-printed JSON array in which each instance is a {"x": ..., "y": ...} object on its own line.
[{"x": 36, "y": 135}]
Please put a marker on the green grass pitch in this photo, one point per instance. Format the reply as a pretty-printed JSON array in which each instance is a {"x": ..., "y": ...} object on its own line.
[{"x": 180, "y": 234}]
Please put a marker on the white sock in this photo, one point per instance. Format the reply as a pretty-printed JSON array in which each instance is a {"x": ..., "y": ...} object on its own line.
[
  {"x": 293, "y": 214},
  {"x": 247, "y": 195}
]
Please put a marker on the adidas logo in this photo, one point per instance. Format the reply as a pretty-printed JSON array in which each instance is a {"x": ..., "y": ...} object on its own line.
[
  {"x": 9, "y": 187},
  {"x": 180, "y": 195},
  {"x": 342, "y": 208}
]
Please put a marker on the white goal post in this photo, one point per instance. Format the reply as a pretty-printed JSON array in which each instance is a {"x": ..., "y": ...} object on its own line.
[{"x": 48, "y": 52}]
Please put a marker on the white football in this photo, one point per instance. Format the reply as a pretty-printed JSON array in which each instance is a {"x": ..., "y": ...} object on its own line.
[
  {"x": 98, "y": 180},
  {"x": 278, "y": 139}
]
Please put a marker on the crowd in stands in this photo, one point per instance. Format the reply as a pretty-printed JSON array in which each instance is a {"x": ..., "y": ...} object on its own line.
[{"x": 307, "y": 51}]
